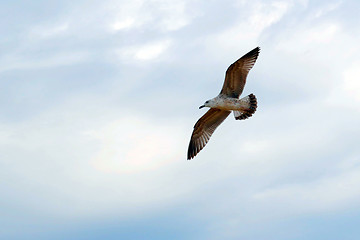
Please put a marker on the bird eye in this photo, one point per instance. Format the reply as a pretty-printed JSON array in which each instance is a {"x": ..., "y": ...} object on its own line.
[{"x": 207, "y": 102}]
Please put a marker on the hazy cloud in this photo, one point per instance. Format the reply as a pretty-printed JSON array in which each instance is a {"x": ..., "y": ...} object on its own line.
[{"x": 98, "y": 101}]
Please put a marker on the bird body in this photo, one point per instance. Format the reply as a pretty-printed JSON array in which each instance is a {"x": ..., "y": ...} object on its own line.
[{"x": 227, "y": 101}]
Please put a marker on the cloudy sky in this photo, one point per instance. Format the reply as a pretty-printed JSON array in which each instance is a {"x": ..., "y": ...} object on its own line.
[{"x": 98, "y": 100}]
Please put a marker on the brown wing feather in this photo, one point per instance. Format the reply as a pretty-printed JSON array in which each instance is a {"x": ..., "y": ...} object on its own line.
[
  {"x": 203, "y": 130},
  {"x": 235, "y": 77}
]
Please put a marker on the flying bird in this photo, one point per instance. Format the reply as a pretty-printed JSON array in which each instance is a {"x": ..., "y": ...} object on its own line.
[{"x": 227, "y": 101}]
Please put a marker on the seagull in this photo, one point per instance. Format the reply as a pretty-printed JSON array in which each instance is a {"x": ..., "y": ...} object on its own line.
[{"x": 227, "y": 101}]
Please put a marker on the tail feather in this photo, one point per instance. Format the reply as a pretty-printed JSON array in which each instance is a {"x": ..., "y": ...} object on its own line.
[{"x": 252, "y": 102}]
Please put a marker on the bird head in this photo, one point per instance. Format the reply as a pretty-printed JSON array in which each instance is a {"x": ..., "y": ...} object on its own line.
[{"x": 208, "y": 103}]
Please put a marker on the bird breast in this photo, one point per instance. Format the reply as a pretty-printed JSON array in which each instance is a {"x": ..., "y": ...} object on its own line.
[{"x": 231, "y": 104}]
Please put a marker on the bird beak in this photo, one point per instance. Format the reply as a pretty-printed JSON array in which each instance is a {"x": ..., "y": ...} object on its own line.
[{"x": 201, "y": 106}]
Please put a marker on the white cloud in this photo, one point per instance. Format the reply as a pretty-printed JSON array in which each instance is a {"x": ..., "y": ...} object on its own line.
[
  {"x": 84, "y": 165},
  {"x": 331, "y": 193},
  {"x": 327, "y": 8},
  {"x": 94, "y": 154},
  {"x": 175, "y": 15},
  {"x": 151, "y": 51},
  {"x": 163, "y": 15},
  {"x": 127, "y": 14},
  {"x": 132, "y": 145},
  {"x": 351, "y": 84},
  {"x": 21, "y": 61},
  {"x": 258, "y": 16},
  {"x": 309, "y": 36},
  {"x": 123, "y": 24},
  {"x": 48, "y": 30},
  {"x": 345, "y": 93},
  {"x": 324, "y": 34},
  {"x": 265, "y": 15},
  {"x": 145, "y": 52}
]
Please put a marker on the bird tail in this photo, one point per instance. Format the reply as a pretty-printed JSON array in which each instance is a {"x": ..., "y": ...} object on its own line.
[{"x": 251, "y": 102}]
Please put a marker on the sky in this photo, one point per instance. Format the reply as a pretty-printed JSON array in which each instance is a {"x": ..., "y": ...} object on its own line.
[{"x": 98, "y": 100}]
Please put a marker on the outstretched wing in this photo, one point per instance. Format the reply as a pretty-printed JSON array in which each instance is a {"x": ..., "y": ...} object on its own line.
[
  {"x": 203, "y": 130},
  {"x": 235, "y": 77}
]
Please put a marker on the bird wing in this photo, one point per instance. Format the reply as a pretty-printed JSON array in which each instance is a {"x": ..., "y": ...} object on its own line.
[
  {"x": 235, "y": 77},
  {"x": 204, "y": 128}
]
